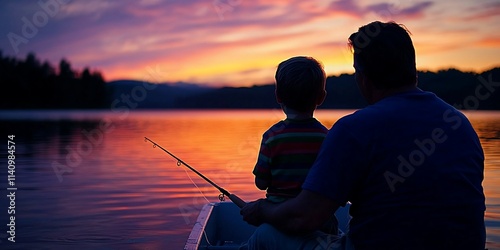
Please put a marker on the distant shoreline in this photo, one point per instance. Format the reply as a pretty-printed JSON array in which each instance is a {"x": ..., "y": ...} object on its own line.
[{"x": 30, "y": 84}]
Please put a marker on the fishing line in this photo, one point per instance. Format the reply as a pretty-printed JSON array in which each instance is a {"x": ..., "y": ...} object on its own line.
[
  {"x": 201, "y": 192},
  {"x": 235, "y": 199}
]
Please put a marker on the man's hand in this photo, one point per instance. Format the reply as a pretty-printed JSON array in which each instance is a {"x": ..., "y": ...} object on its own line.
[
  {"x": 302, "y": 214},
  {"x": 252, "y": 213}
]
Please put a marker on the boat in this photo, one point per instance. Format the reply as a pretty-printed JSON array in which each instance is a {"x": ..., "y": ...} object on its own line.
[{"x": 220, "y": 226}]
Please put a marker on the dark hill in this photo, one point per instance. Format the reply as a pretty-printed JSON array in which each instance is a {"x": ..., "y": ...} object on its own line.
[
  {"x": 32, "y": 84},
  {"x": 142, "y": 95},
  {"x": 256, "y": 97},
  {"x": 465, "y": 90}
]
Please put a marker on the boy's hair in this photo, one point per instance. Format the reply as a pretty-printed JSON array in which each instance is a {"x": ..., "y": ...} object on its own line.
[
  {"x": 300, "y": 81},
  {"x": 384, "y": 53}
]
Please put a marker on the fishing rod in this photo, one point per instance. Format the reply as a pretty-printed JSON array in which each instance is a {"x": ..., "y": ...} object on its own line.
[{"x": 235, "y": 199}]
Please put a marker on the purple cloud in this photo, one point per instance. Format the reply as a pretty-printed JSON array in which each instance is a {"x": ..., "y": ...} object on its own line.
[
  {"x": 352, "y": 8},
  {"x": 120, "y": 36},
  {"x": 391, "y": 10},
  {"x": 348, "y": 7},
  {"x": 485, "y": 11}
]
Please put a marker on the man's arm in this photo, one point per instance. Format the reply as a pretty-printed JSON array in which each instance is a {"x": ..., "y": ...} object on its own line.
[{"x": 305, "y": 213}]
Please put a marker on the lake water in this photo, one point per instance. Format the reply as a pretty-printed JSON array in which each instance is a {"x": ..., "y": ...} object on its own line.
[{"x": 88, "y": 180}]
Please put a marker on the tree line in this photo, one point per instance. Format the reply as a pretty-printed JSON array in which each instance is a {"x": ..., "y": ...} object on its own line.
[
  {"x": 464, "y": 90},
  {"x": 31, "y": 84}
]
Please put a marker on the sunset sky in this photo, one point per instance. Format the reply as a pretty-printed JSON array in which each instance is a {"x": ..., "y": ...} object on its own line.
[{"x": 239, "y": 42}]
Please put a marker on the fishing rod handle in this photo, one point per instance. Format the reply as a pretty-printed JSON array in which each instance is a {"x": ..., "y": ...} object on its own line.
[{"x": 237, "y": 200}]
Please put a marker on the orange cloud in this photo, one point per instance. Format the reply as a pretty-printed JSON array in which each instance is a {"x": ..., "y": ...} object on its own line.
[
  {"x": 491, "y": 42},
  {"x": 225, "y": 42}
]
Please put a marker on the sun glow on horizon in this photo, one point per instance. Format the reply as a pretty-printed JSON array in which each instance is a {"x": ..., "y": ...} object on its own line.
[{"x": 240, "y": 43}]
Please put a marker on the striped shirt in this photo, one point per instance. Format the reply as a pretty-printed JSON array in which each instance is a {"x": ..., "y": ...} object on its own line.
[{"x": 288, "y": 150}]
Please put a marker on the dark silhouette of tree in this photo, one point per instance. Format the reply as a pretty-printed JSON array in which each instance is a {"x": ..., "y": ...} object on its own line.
[
  {"x": 464, "y": 90},
  {"x": 30, "y": 84},
  {"x": 92, "y": 91},
  {"x": 65, "y": 70}
]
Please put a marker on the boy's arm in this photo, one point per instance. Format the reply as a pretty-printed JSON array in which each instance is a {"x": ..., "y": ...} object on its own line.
[
  {"x": 262, "y": 184},
  {"x": 262, "y": 169}
]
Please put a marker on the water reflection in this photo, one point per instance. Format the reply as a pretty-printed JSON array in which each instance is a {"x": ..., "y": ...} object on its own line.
[{"x": 118, "y": 192}]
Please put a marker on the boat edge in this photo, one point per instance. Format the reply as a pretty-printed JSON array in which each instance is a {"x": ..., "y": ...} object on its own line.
[{"x": 194, "y": 239}]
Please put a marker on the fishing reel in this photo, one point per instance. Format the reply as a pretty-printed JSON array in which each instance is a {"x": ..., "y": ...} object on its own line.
[{"x": 222, "y": 197}]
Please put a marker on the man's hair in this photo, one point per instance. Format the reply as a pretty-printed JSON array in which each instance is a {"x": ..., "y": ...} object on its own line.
[
  {"x": 300, "y": 81},
  {"x": 384, "y": 53}
]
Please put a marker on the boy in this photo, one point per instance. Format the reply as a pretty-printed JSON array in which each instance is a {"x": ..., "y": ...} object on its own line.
[{"x": 289, "y": 147}]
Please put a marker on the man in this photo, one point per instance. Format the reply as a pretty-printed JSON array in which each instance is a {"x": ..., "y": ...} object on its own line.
[{"x": 410, "y": 164}]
